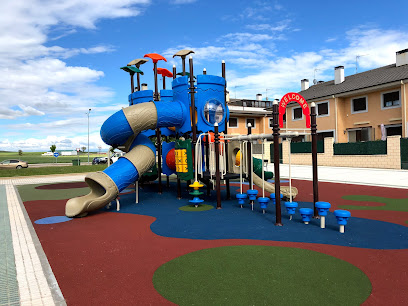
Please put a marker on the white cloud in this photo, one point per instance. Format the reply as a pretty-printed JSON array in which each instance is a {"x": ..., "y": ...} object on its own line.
[
  {"x": 245, "y": 49},
  {"x": 280, "y": 74},
  {"x": 278, "y": 27},
  {"x": 286, "y": 72},
  {"x": 35, "y": 81},
  {"x": 42, "y": 144},
  {"x": 331, "y": 39},
  {"x": 31, "y": 111}
]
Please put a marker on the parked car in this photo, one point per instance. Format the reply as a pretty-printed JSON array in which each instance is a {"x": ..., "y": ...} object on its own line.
[
  {"x": 115, "y": 156},
  {"x": 13, "y": 164},
  {"x": 47, "y": 154},
  {"x": 100, "y": 160}
]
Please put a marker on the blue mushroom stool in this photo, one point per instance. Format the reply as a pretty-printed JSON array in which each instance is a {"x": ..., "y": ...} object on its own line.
[
  {"x": 342, "y": 218},
  {"x": 274, "y": 199},
  {"x": 291, "y": 208},
  {"x": 322, "y": 209},
  {"x": 263, "y": 201},
  {"x": 241, "y": 198},
  {"x": 306, "y": 214},
  {"x": 252, "y": 196}
]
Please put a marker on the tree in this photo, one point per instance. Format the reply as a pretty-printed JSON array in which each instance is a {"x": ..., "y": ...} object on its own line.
[
  {"x": 83, "y": 149},
  {"x": 20, "y": 152},
  {"x": 53, "y": 148}
]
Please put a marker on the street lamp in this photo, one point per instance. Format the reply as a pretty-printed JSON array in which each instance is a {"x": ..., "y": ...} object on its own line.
[{"x": 88, "y": 132}]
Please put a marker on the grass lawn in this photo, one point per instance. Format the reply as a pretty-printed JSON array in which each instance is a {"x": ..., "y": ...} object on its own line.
[
  {"x": 51, "y": 170},
  {"x": 37, "y": 158}
]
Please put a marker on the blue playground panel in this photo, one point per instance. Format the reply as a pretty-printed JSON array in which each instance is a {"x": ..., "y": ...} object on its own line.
[{"x": 233, "y": 222}]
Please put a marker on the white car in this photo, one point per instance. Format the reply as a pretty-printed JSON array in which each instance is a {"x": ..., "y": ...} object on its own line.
[
  {"x": 116, "y": 156},
  {"x": 47, "y": 154}
]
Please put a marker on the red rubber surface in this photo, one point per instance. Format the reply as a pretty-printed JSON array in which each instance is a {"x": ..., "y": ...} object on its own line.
[{"x": 109, "y": 258}]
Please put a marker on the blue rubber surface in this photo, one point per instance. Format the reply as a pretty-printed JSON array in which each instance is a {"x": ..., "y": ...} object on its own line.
[
  {"x": 233, "y": 222},
  {"x": 53, "y": 220},
  {"x": 273, "y": 181}
]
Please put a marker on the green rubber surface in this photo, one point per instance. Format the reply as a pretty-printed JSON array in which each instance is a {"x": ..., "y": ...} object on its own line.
[
  {"x": 389, "y": 204},
  {"x": 201, "y": 207},
  {"x": 29, "y": 193},
  {"x": 261, "y": 275}
]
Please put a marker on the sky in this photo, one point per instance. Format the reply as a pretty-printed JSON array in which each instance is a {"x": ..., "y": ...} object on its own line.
[{"x": 60, "y": 58}]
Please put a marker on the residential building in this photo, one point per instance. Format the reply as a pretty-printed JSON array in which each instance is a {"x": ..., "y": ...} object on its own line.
[
  {"x": 361, "y": 107},
  {"x": 244, "y": 111},
  {"x": 349, "y": 109}
]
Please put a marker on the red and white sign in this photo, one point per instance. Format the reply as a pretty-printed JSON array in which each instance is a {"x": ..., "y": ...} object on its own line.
[{"x": 293, "y": 97}]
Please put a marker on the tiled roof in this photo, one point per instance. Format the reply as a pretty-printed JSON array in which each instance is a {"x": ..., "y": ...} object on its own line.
[{"x": 379, "y": 76}]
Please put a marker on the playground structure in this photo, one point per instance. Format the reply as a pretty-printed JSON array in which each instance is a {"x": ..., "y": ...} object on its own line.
[{"x": 191, "y": 108}]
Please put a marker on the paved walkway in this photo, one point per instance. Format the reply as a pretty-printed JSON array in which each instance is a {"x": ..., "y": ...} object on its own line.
[
  {"x": 26, "y": 277},
  {"x": 358, "y": 176}
]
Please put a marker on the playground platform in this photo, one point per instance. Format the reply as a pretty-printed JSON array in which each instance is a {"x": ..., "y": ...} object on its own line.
[{"x": 113, "y": 257}]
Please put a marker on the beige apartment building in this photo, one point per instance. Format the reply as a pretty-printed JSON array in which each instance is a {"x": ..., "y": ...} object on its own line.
[{"x": 365, "y": 106}]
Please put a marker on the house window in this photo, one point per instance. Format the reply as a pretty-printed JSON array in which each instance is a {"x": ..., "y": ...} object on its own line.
[
  {"x": 323, "y": 135},
  {"x": 271, "y": 123},
  {"x": 251, "y": 121},
  {"x": 322, "y": 109},
  {"x": 359, "y": 105},
  {"x": 233, "y": 122},
  {"x": 297, "y": 113},
  {"x": 358, "y": 135},
  {"x": 392, "y": 130},
  {"x": 390, "y": 99},
  {"x": 298, "y": 138}
]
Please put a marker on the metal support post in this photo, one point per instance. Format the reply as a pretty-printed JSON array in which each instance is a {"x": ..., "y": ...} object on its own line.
[
  {"x": 227, "y": 182},
  {"x": 217, "y": 164},
  {"x": 207, "y": 162},
  {"x": 313, "y": 129},
  {"x": 158, "y": 137},
  {"x": 275, "y": 115},
  {"x": 178, "y": 179}
]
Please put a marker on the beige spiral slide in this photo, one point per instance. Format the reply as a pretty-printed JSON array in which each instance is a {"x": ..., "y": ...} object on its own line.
[{"x": 140, "y": 157}]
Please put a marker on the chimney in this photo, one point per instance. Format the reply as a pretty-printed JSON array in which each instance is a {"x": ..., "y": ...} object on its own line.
[
  {"x": 227, "y": 97},
  {"x": 304, "y": 84},
  {"x": 259, "y": 97},
  {"x": 402, "y": 58},
  {"x": 338, "y": 75}
]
